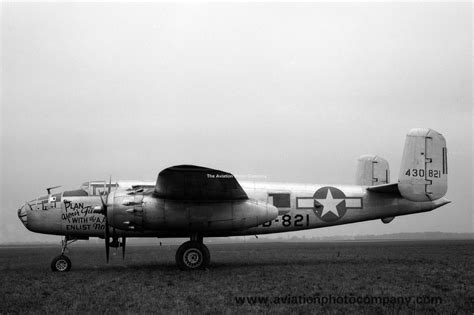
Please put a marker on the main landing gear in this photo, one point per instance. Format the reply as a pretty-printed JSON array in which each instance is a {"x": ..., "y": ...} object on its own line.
[
  {"x": 62, "y": 263},
  {"x": 193, "y": 254}
]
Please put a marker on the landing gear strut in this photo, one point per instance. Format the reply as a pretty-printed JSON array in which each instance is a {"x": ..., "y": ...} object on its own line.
[
  {"x": 62, "y": 263},
  {"x": 193, "y": 254}
]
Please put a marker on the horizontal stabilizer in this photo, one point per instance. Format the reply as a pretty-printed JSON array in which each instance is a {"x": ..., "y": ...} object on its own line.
[
  {"x": 387, "y": 188},
  {"x": 190, "y": 182}
]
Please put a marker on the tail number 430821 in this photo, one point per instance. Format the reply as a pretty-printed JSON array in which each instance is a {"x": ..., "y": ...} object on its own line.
[{"x": 413, "y": 172}]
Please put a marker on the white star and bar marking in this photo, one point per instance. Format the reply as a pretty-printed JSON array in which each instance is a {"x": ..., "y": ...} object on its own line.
[{"x": 329, "y": 204}]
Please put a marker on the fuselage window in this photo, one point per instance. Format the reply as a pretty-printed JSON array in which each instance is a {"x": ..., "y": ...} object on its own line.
[
  {"x": 280, "y": 200},
  {"x": 75, "y": 193}
]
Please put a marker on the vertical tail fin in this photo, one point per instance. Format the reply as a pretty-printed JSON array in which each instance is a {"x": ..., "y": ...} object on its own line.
[
  {"x": 372, "y": 170},
  {"x": 424, "y": 167}
]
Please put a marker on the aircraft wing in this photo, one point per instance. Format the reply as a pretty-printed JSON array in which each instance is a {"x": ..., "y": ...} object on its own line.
[{"x": 190, "y": 182}]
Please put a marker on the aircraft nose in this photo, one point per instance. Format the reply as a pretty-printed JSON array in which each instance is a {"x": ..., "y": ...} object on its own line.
[{"x": 22, "y": 214}]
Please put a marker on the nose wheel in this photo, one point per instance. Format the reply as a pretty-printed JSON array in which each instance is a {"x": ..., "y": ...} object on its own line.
[
  {"x": 193, "y": 255},
  {"x": 61, "y": 263}
]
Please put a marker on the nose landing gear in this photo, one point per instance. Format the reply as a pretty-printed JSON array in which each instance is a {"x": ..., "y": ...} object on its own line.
[{"x": 62, "y": 263}]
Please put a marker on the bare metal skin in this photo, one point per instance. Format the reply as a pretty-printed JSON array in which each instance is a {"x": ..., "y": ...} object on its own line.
[
  {"x": 196, "y": 202},
  {"x": 80, "y": 220}
]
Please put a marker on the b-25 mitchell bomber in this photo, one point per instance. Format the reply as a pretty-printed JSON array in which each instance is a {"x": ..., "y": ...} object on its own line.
[{"x": 195, "y": 202}]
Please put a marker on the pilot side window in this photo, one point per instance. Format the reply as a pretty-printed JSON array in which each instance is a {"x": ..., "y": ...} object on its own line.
[
  {"x": 98, "y": 190},
  {"x": 279, "y": 200}
]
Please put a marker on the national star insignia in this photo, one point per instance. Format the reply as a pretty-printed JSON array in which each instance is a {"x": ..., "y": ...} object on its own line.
[{"x": 330, "y": 204}]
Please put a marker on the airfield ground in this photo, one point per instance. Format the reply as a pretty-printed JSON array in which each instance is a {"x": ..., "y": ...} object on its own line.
[{"x": 365, "y": 277}]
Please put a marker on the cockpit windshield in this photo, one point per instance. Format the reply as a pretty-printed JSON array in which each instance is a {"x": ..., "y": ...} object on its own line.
[{"x": 85, "y": 186}]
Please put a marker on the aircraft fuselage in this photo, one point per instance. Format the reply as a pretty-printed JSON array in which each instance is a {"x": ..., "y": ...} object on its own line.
[{"x": 300, "y": 207}]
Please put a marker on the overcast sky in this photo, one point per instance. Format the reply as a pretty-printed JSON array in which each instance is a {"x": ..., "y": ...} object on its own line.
[{"x": 293, "y": 92}]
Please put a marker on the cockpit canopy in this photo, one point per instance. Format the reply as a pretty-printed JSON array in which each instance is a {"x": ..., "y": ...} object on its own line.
[
  {"x": 97, "y": 188},
  {"x": 100, "y": 188}
]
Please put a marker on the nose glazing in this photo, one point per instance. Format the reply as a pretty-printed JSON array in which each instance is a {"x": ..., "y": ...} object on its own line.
[{"x": 22, "y": 214}]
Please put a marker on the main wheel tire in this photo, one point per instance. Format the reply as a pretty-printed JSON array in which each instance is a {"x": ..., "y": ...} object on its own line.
[
  {"x": 61, "y": 263},
  {"x": 192, "y": 256}
]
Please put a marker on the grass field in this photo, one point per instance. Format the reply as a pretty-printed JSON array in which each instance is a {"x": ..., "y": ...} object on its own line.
[{"x": 293, "y": 276}]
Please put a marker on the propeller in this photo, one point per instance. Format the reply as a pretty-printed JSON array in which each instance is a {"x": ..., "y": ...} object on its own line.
[
  {"x": 107, "y": 227},
  {"x": 104, "y": 212}
]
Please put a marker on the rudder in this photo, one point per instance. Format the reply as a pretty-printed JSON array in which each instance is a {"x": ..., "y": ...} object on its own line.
[{"x": 424, "y": 167}]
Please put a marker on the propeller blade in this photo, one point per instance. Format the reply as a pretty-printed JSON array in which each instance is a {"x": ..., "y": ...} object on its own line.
[
  {"x": 107, "y": 239},
  {"x": 110, "y": 185},
  {"x": 123, "y": 247},
  {"x": 104, "y": 206},
  {"x": 104, "y": 212}
]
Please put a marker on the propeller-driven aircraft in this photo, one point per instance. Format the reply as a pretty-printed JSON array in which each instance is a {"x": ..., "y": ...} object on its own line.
[{"x": 195, "y": 202}]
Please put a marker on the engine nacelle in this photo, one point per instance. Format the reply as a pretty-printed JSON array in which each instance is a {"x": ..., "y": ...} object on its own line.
[
  {"x": 140, "y": 212},
  {"x": 125, "y": 210}
]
